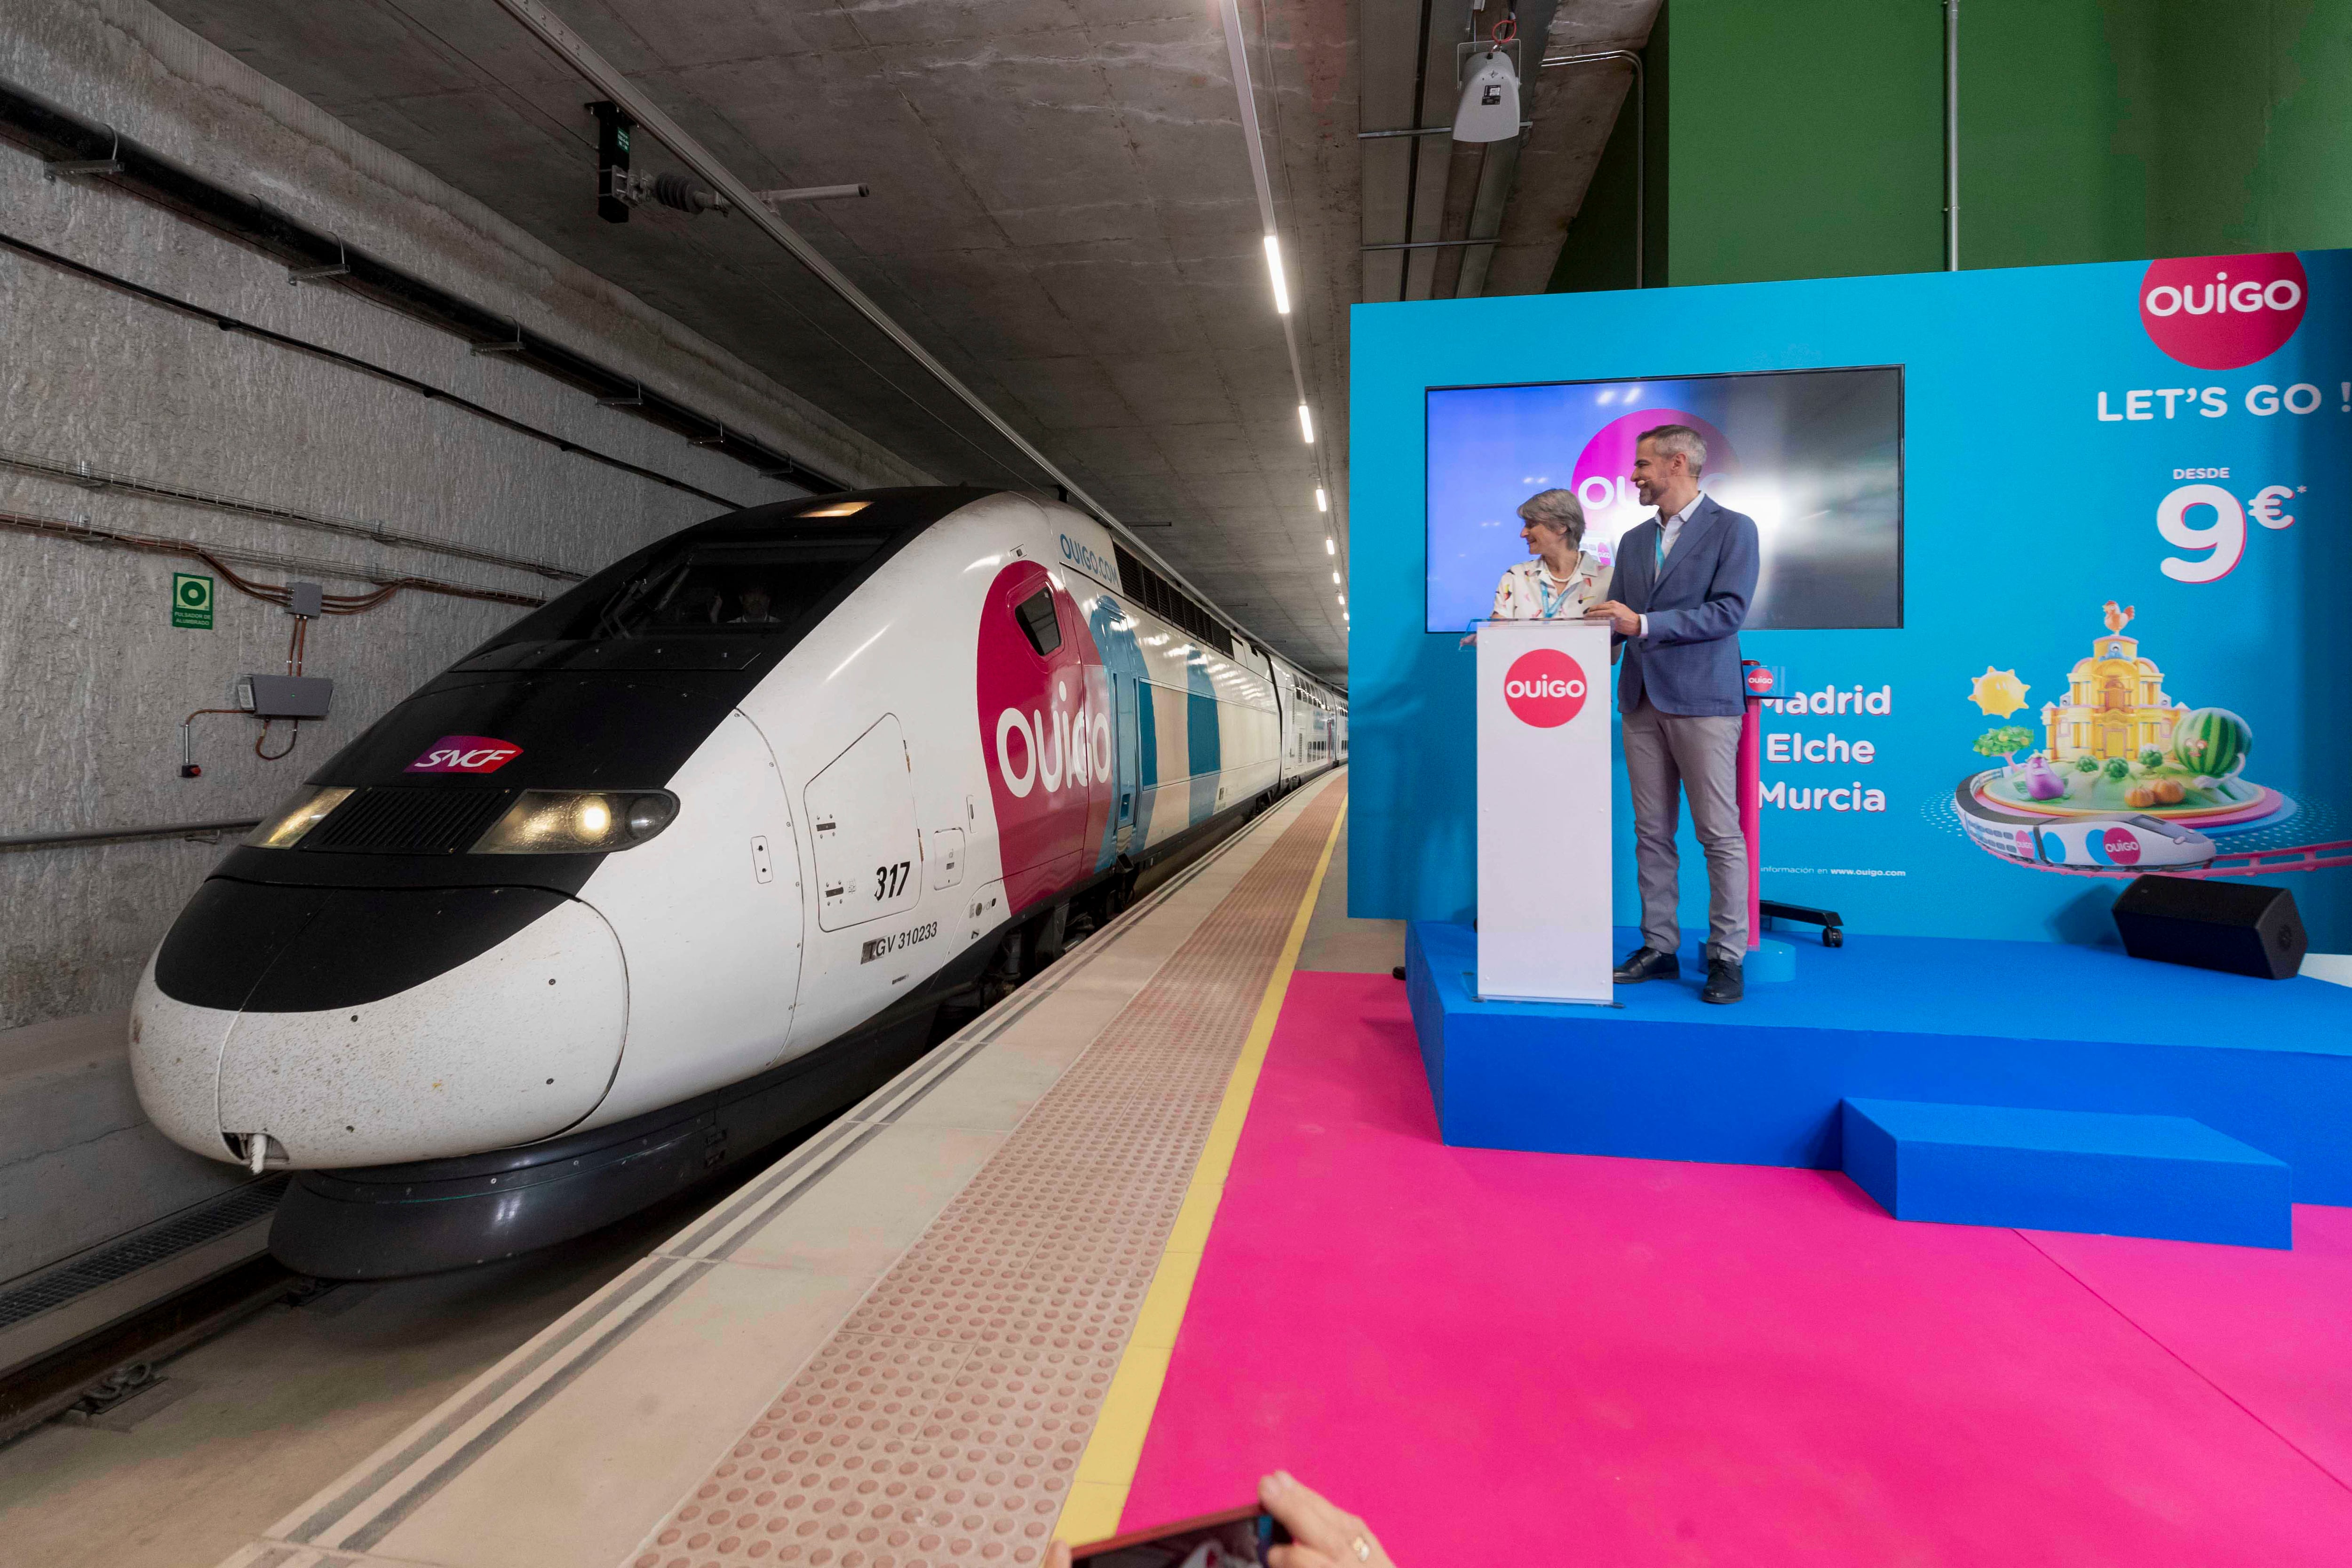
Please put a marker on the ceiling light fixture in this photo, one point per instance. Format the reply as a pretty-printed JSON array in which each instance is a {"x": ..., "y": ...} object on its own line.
[
  {"x": 1274, "y": 267},
  {"x": 1322, "y": 501},
  {"x": 1330, "y": 547},
  {"x": 1335, "y": 576},
  {"x": 1307, "y": 424}
]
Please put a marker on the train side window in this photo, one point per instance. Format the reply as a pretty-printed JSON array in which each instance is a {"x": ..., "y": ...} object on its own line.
[{"x": 1038, "y": 622}]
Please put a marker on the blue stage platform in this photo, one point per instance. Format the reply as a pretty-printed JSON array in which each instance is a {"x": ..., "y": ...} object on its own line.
[{"x": 2037, "y": 1025}]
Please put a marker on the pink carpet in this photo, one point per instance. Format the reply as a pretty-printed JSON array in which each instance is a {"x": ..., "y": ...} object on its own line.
[{"x": 1505, "y": 1358}]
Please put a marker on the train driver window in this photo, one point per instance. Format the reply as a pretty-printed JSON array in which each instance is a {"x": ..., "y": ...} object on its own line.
[
  {"x": 1038, "y": 622},
  {"x": 728, "y": 588}
]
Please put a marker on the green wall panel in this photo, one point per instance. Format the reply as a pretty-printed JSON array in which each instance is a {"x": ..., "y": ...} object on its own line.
[
  {"x": 1807, "y": 138},
  {"x": 1804, "y": 138}
]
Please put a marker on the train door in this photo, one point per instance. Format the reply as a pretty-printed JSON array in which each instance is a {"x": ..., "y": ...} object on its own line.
[
  {"x": 861, "y": 811},
  {"x": 1114, "y": 635}
]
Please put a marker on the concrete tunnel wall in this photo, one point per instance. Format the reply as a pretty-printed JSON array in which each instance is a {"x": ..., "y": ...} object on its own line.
[{"x": 97, "y": 678}]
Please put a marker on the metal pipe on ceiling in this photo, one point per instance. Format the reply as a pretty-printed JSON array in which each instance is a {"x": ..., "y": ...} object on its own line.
[
  {"x": 1423, "y": 131},
  {"x": 1951, "y": 135},
  {"x": 592, "y": 68},
  {"x": 1426, "y": 244},
  {"x": 1641, "y": 138}
]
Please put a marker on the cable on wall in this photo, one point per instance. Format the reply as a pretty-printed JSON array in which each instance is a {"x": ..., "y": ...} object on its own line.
[
  {"x": 228, "y": 323},
  {"x": 218, "y": 556},
  {"x": 86, "y": 476},
  {"x": 79, "y": 149}
]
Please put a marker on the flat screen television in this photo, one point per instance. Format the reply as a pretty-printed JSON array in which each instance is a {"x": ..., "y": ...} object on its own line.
[{"x": 1814, "y": 456}]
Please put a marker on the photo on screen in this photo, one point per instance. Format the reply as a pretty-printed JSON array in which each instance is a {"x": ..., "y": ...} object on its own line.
[{"x": 1814, "y": 456}]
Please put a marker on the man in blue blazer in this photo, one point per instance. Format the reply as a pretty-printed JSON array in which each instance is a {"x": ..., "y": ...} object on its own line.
[{"x": 1676, "y": 602}]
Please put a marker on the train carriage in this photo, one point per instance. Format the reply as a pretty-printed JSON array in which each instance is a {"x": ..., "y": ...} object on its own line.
[{"x": 693, "y": 855}]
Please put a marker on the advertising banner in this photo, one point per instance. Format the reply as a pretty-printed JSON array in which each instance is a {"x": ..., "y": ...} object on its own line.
[
  {"x": 2072, "y": 611},
  {"x": 1543, "y": 811}
]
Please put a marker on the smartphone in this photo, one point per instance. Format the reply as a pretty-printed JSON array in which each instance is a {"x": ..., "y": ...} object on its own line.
[{"x": 1237, "y": 1538}]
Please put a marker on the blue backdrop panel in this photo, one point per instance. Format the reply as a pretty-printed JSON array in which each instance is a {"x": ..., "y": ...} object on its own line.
[
  {"x": 1967, "y": 1022},
  {"x": 2066, "y": 1169},
  {"x": 2062, "y": 451}
]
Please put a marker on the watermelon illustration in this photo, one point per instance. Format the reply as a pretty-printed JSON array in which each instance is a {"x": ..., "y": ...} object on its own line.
[{"x": 2212, "y": 742}]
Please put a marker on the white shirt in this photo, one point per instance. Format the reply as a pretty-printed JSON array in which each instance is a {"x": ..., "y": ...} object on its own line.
[{"x": 1671, "y": 530}]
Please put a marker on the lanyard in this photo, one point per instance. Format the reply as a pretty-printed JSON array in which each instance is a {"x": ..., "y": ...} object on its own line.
[{"x": 1551, "y": 601}]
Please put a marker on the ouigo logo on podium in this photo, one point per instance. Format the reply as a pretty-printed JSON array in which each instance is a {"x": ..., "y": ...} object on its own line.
[{"x": 1544, "y": 687}]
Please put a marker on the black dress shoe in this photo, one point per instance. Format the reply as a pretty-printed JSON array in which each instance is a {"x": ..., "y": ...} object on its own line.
[
  {"x": 1724, "y": 981},
  {"x": 1647, "y": 964}
]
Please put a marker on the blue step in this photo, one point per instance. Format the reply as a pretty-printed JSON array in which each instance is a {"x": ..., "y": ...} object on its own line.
[{"x": 2066, "y": 1169}]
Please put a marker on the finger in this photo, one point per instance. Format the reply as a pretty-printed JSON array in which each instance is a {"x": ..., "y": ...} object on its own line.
[
  {"x": 1058, "y": 1556},
  {"x": 1312, "y": 1517},
  {"x": 1298, "y": 1557}
]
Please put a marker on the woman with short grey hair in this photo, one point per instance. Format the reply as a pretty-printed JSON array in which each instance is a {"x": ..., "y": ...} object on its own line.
[{"x": 1559, "y": 579}]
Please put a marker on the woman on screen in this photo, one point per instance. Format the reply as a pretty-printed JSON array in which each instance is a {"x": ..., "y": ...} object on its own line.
[{"x": 1559, "y": 579}]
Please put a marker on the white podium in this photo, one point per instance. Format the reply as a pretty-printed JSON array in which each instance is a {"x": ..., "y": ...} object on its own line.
[{"x": 1544, "y": 840}]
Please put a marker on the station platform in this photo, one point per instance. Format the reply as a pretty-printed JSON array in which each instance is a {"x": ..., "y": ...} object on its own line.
[
  {"x": 1179, "y": 1214},
  {"x": 894, "y": 1347}
]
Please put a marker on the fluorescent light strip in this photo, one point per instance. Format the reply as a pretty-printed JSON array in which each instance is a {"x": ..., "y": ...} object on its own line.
[
  {"x": 1274, "y": 269},
  {"x": 1307, "y": 424},
  {"x": 1322, "y": 501}
]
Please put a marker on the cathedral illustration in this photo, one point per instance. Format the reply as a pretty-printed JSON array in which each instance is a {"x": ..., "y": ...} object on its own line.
[{"x": 2116, "y": 704}]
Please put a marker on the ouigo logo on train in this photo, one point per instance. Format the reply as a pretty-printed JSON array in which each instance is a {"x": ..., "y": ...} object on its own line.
[
  {"x": 2217, "y": 312},
  {"x": 1545, "y": 688}
]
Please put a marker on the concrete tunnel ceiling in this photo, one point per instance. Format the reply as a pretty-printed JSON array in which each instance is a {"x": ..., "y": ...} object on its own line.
[{"x": 1063, "y": 211}]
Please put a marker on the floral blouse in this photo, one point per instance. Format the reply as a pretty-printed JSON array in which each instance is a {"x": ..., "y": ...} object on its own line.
[{"x": 1529, "y": 591}]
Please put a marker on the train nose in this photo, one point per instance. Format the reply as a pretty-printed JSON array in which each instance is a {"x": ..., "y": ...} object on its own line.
[{"x": 373, "y": 1027}]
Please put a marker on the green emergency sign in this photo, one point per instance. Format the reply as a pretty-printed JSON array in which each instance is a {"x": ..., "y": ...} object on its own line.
[{"x": 192, "y": 601}]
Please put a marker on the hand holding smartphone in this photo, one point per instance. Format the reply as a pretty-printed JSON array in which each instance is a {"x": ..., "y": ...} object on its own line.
[{"x": 1237, "y": 1538}]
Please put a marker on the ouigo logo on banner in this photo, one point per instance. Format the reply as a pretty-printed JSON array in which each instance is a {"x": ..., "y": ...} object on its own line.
[
  {"x": 2217, "y": 312},
  {"x": 1544, "y": 687}
]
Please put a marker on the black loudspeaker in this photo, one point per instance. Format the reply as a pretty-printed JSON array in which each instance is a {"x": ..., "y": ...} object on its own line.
[{"x": 2228, "y": 926}]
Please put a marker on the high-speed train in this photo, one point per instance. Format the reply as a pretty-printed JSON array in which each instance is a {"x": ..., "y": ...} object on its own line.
[{"x": 690, "y": 857}]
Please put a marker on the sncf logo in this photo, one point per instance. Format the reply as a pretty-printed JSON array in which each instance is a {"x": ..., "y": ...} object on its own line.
[
  {"x": 2217, "y": 312},
  {"x": 464, "y": 754},
  {"x": 1544, "y": 687}
]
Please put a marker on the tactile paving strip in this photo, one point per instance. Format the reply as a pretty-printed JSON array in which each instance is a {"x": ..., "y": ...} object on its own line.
[{"x": 942, "y": 1424}]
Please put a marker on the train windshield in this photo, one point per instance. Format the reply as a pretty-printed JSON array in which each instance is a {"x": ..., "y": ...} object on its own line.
[
  {"x": 724, "y": 589},
  {"x": 701, "y": 602}
]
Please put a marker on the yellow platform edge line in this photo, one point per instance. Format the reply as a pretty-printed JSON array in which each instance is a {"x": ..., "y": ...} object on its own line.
[{"x": 1107, "y": 1468}]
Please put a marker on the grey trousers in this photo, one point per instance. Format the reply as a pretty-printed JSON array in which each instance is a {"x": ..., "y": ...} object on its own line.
[{"x": 1668, "y": 755}]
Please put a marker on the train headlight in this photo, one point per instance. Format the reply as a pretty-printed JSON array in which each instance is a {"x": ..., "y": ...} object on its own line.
[
  {"x": 284, "y": 829},
  {"x": 578, "y": 822}
]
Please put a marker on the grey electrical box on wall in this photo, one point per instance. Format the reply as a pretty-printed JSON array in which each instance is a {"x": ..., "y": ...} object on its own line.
[{"x": 284, "y": 696}]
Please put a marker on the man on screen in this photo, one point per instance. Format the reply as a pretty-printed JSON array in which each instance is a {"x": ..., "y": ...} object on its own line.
[{"x": 1677, "y": 601}]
